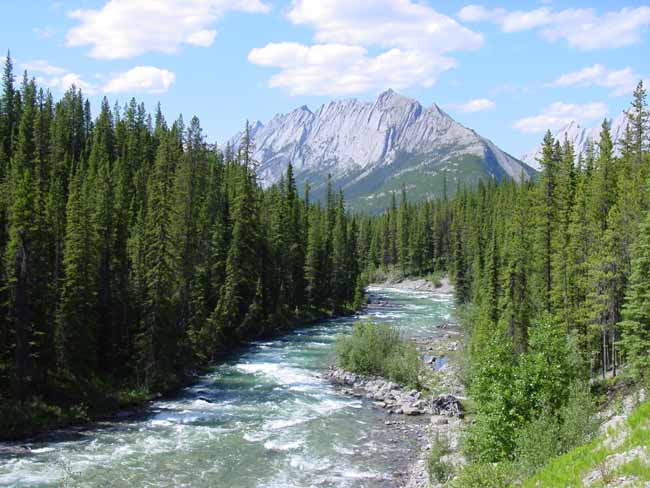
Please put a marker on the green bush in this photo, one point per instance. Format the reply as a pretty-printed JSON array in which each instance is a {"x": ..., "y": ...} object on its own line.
[
  {"x": 578, "y": 418},
  {"x": 378, "y": 349},
  {"x": 537, "y": 442},
  {"x": 486, "y": 475},
  {"x": 439, "y": 470}
]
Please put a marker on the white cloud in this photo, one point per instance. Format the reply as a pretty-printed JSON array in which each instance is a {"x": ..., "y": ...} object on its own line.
[
  {"x": 476, "y": 105},
  {"x": 622, "y": 81},
  {"x": 479, "y": 13},
  {"x": 127, "y": 28},
  {"x": 142, "y": 79},
  {"x": 148, "y": 79},
  {"x": 57, "y": 78},
  {"x": 585, "y": 75},
  {"x": 42, "y": 66},
  {"x": 581, "y": 28},
  {"x": 338, "y": 69},
  {"x": 365, "y": 45},
  {"x": 386, "y": 23},
  {"x": 559, "y": 114}
]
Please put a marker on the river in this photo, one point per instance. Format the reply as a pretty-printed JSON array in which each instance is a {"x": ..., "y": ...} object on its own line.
[{"x": 265, "y": 418}]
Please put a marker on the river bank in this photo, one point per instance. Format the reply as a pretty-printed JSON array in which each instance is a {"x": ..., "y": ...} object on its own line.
[
  {"x": 441, "y": 286},
  {"x": 264, "y": 417},
  {"x": 37, "y": 419},
  {"x": 412, "y": 418}
]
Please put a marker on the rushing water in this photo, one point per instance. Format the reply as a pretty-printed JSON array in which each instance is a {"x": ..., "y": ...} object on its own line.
[{"x": 264, "y": 419}]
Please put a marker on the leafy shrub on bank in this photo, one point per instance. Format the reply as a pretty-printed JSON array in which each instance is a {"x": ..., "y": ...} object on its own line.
[{"x": 378, "y": 350}]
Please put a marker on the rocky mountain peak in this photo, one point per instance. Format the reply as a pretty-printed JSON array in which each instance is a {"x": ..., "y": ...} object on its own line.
[
  {"x": 372, "y": 148},
  {"x": 579, "y": 136}
]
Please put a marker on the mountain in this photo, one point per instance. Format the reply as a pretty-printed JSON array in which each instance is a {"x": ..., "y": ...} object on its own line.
[
  {"x": 374, "y": 148},
  {"x": 579, "y": 136}
]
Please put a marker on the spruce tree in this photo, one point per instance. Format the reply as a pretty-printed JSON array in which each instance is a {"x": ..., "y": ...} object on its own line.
[
  {"x": 76, "y": 320},
  {"x": 635, "y": 339}
]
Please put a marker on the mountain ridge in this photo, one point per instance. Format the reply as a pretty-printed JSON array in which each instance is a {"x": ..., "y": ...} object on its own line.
[
  {"x": 374, "y": 148},
  {"x": 579, "y": 136}
]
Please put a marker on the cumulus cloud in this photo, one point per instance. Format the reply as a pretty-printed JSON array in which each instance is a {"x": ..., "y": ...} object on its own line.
[
  {"x": 141, "y": 79},
  {"x": 581, "y": 28},
  {"x": 57, "y": 78},
  {"x": 622, "y": 82},
  {"x": 339, "y": 69},
  {"x": 559, "y": 114},
  {"x": 148, "y": 79},
  {"x": 127, "y": 28},
  {"x": 42, "y": 66},
  {"x": 476, "y": 105},
  {"x": 365, "y": 45}
]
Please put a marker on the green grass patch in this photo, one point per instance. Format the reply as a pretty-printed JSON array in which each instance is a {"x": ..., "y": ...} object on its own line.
[
  {"x": 440, "y": 471},
  {"x": 569, "y": 469}
]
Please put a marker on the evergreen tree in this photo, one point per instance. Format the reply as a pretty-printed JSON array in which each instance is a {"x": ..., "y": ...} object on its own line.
[
  {"x": 635, "y": 339},
  {"x": 76, "y": 320}
]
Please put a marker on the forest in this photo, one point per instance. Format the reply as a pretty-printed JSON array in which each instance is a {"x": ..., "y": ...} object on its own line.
[
  {"x": 552, "y": 283},
  {"x": 134, "y": 253}
]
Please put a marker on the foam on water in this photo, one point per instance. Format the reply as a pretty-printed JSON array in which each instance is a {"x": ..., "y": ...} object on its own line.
[
  {"x": 277, "y": 445},
  {"x": 279, "y": 373}
]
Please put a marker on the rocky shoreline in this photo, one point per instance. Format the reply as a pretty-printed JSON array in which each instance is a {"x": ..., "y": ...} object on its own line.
[
  {"x": 392, "y": 397},
  {"x": 443, "y": 287},
  {"x": 414, "y": 418}
]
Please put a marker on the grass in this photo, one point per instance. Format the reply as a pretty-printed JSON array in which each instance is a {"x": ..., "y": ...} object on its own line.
[
  {"x": 378, "y": 350},
  {"x": 569, "y": 469},
  {"x": 440, "y": 471}
]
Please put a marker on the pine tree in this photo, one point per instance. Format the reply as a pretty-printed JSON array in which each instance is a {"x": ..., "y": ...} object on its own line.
[
  {"x": 403, "y": 226},
  {"x": 639, "y": 121},
  {"x": 547, "y": 215},
  {"x": 158, "y": 333},
  {"x": 314, "y": 259},
  {"x": 103, "y": 214},
  {"x": 189, "y": 193},
  {"x": 76, "y": 325},
  {"x": 517, "y": 302},
  {"x": 242, "y": 265},
  {"x": 635, "y": 339},
  {"x": 564, "y": 201}
]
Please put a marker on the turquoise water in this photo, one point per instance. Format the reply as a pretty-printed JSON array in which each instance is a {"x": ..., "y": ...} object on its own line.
[{"x": 263, "y": 419}]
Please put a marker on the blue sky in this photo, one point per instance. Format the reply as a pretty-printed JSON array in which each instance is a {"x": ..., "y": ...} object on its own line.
[{"x": 507, "y": 69}]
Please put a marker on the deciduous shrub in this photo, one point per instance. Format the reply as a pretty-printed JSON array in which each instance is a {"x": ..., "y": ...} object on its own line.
[{"x": 378, "y": 349}]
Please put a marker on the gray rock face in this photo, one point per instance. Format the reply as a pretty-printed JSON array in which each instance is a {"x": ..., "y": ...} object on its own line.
[
  {"x": 364, "y": 145},
  {"x": 579, "y": 136}
]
